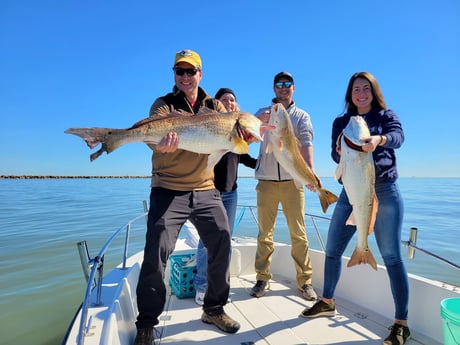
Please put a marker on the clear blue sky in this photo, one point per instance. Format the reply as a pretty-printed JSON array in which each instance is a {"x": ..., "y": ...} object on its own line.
[{"x": 101, "y": 64}]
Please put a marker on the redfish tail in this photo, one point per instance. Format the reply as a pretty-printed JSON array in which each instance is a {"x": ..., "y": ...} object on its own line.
[
  {"x": 91, "y": 136},
  {"x": 326, "y": 198},
  {"x": 96, "y": 154},
  {"x": 360, "y": 256},
  {"x": 95, "y": 136}
]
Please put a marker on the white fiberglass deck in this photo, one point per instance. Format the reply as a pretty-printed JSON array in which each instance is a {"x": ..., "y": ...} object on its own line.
[
  {"x": 273, "y": 319},
  {"x": 363, "y": 302}
]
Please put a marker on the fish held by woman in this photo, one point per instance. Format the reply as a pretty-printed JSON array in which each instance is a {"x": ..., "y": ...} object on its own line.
[{"x": 357, "y": 172}]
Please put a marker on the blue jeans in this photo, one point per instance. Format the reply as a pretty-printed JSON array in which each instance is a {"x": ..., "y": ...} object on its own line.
[
  {"x": 388, "y": 236},
  {"x": 230, "y": 200}
]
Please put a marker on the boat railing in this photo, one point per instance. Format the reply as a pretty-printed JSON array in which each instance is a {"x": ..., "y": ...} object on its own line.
[
  {"x": 93, "y": 268},
  {"x": 313, "y": 218},
  {"x": 411, "y": 243}
]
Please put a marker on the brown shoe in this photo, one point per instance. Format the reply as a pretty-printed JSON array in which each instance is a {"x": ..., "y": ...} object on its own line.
[
  {"x": 144, "y": 336},
  {"x": 222, "y": 321}
]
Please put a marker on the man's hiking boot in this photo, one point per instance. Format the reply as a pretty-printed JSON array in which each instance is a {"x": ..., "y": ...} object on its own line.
[
  {"x": 258, "y": 290},
  {"x": 222, "y": 321},
  {"x": 144, "y": 336}
]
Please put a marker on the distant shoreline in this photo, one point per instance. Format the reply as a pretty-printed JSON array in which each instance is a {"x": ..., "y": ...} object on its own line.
[{"x": 42, "y": 177}]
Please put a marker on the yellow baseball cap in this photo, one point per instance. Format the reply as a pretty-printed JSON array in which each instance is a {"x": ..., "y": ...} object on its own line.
[{"x": 188, "y": 56}]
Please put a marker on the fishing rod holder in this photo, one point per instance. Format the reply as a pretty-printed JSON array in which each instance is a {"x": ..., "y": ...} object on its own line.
[
  {"x": 412, "y": 240},
  {"x": 88, "y": 264},
  {"x": 412, "y": 246},
  {"x": 84, "y": 258}
]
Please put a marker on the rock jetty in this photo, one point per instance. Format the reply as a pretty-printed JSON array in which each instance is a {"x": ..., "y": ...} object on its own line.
[{"x": 26, "y": 177}]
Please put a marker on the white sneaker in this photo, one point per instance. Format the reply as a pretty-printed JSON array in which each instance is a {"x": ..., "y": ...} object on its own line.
[{"x": 199, "y": 298}]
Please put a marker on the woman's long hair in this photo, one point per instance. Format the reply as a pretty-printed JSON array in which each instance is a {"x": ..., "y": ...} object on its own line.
[{"x": 378, "y": 102}]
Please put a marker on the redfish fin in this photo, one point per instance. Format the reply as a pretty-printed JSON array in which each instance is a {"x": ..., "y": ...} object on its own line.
[
  {"x": 269, "y": 148},
  {"x": 265, "y": 128},
  {"x": 281, "y": 145},
  {"x": 205, "y": 110},
  {"x": 214, "y": 158},
  {"x": 158, "y": 118},
  {"x": 360, "y": 256},
  {"x": 339, "y": 170},
  {"x": 241, "y": 146},
  {"x": 351, "y": 220},
  {"x": 326, "y": 198},
  {"x": 375, "y": 206}
]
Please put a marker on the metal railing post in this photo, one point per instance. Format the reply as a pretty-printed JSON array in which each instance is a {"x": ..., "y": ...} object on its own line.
[
  {"x": 84, "y": 258},
  {"x": 412, "y": 240},
  {"x": 100, "y": 275},
  {"x": 125, "y": 252}
]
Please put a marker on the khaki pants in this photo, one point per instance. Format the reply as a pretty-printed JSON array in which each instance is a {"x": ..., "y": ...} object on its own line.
[{"x": 292, "y": 199}]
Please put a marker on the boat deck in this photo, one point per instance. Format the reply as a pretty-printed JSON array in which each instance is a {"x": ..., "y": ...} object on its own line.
[
  {"x": 363, "y": 301},
  {"x": 273, "y": 319}
]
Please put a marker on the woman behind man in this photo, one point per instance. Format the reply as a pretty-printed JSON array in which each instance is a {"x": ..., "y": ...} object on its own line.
[
  {"x": 364, "y": 98},
  {"x": 225, "y": 176}
]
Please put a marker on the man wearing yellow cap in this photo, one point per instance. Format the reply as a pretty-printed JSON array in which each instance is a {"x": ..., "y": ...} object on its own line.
[{"x": 183, "y": 188}]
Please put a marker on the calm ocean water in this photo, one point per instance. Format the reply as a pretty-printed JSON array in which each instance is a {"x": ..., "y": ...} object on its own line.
[{"x": 41, "y": 220}]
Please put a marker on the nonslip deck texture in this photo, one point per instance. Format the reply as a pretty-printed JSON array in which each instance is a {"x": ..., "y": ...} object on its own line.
[{"x": 273, "y": 320}]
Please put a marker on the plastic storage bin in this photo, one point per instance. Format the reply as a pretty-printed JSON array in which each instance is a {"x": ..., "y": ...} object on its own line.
[{"x": 183, "y": 270}]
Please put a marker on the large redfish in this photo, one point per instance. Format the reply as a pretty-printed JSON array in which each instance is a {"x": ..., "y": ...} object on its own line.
[
  {"x": 210, "y": 133},
  {"x": 286, "y": 149},
  {"x": 356, "y": 170}
]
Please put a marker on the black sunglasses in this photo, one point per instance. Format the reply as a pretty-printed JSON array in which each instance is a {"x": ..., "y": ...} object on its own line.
[
  {"x": 283, "y": 84},
  {"x": 181, "y": 71}
]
